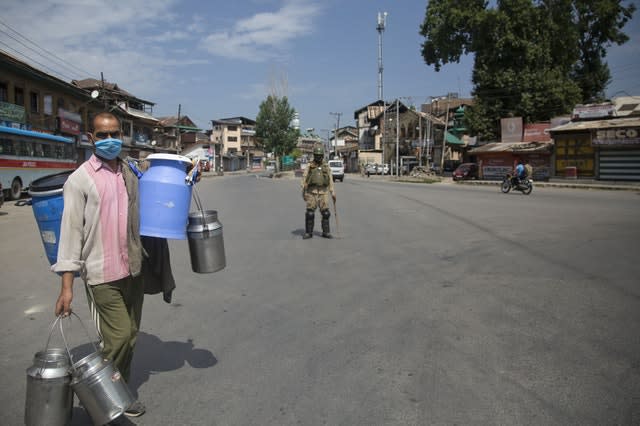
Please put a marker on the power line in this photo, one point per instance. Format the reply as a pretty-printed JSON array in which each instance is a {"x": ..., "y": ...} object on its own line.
[
  {"x": 47, "y": 54},
  {"x": 28, "y": 57}
]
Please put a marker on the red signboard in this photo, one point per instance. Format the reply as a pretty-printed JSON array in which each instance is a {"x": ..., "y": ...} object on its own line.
[
  {"x": 537, "y": 132},
  {"x": 69, "y": 127}
]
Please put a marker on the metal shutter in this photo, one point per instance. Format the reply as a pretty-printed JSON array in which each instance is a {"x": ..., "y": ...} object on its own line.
[{"x": 619, "y": 165}]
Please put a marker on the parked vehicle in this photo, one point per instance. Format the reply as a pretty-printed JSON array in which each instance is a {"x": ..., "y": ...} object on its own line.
[
  {"x": 509, "y": 182},
  {"x": 466, "y": 171},
  {"x": 205, "y": 166},
  {"x": 370, "y": 169},
  {"x": 383, "y": 169},
  {"x": 27, "y": 155},
  {"x": 337, "y": 170},
  {"x": 271, "y": 166}
]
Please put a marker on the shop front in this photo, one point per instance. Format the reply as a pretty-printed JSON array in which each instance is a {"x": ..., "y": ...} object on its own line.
[
  {"x": 497, "y": 159},
  {"x": 601, "y": 149}
]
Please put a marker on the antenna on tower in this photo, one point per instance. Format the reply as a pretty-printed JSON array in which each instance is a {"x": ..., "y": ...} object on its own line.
[{"x": 382, "y": 21}]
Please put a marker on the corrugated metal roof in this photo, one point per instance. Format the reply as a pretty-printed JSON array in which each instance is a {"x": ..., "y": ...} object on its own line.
[
  {"x": 596, "y": 124},
  {"x": 137, "y": 113},
  {"x": 514, "y": 147}
]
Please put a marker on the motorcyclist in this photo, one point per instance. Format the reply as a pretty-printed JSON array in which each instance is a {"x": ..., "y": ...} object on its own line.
[{"x": 519, "y": 173}]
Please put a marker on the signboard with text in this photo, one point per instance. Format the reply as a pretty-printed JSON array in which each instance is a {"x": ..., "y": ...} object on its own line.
[
  {"x": 620, "y": 136},
  {"x": 12, "y": 112}
]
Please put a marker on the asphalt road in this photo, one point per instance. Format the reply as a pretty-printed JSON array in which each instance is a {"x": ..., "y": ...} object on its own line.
[{"x": 435, "y": 305}]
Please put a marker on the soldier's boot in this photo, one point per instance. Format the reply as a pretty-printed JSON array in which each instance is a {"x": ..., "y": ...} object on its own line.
[
  {"x": 308, "y": 224},
  {"x": 326, "y": 232}
]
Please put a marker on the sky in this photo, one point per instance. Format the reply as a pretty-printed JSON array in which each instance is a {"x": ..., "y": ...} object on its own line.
[{"x": 221, "y": 59}]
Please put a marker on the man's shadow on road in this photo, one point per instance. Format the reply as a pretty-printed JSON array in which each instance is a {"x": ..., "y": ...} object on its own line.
[{"x": 152, "y": 356}]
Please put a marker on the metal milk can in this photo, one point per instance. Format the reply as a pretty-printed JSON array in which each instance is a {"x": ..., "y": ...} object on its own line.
[
  {"x": 99, "y": 385},
  {"x": 101, "y": 388},
  {"x": 206, "y": 244},
  {"x": 49, "y": 400}
]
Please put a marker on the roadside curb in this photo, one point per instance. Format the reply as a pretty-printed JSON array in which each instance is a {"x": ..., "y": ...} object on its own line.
[{"x": 572, "y": 185}]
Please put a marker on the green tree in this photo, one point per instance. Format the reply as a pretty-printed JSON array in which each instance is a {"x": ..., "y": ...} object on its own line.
[
  {"x": 534, "y": 59},
  {"x": 273, "y": 126},
  {"x": 599, "y": 24}
]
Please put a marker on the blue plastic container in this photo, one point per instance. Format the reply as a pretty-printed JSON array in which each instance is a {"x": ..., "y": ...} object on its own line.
[
  {"x": 47, "y": 204},
  {"x": 165, "y": 197}
]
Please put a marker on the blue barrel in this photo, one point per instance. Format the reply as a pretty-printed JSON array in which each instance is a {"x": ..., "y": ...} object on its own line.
[
  {"x": 165, "y": 197},
  {"x": 47, "y": 204}
]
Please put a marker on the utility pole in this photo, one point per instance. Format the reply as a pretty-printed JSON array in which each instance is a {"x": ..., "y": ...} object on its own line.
[
  {"x": 380, "y": 27},
  {"x": 382, "y": 21},
  {"x": 397, "y": 137},
  {"x": 335, "y": 134},
  {"x": 444, "y": 136},
  {"x": 420, "y": 137},
  {"x": 178, "y": 143}
]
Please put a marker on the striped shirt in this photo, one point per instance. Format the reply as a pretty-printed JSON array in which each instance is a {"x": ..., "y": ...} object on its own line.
[{"x": 93, "y": 232}]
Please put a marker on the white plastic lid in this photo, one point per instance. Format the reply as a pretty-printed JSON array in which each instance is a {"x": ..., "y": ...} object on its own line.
[{"x": 173, "y": 157}]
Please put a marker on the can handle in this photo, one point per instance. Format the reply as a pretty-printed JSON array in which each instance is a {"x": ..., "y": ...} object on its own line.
[
  {"x": 196, "y": 198},
  {"x": 46, "y": 346},
  {"x": 64, "y": 339}
]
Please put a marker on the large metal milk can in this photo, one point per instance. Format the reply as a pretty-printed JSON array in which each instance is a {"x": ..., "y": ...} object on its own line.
[
  {"x": 49, "y": 400},
  {"x": 99, "y": 385},
  {"x": 206, "y": 245},
  {"x": 100, "y": 388}
]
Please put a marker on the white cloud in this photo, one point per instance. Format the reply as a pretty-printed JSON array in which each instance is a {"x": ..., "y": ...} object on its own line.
[
  {"x": 264, "y": 35},
  {"x": 129, "y": 42}
]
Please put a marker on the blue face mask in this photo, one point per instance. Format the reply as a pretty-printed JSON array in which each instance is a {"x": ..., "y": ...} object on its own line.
[{"x": 108, "y": 148}]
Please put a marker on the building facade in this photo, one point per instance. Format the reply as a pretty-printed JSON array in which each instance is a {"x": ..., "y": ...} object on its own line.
[{"x": 236, "y": 139}]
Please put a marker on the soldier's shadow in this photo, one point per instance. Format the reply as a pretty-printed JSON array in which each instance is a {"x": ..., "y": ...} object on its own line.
[{"x": 151, "y": 356}]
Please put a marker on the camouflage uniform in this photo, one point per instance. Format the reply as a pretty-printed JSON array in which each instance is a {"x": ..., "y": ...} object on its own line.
[{"x": 317, "y": 183}]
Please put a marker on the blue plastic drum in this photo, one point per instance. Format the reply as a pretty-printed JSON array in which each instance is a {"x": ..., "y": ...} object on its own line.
[
  {"x": 165, "y": 197},
  {"x": 47, "y": 204}
]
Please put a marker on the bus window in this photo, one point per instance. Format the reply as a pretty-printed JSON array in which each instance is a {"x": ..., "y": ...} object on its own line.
[
  {"x": 6, "y": 147},
  {"x": 38, "y": 150},
  {"x": 47, "y": 150},
  {"x": 69, "y": 152},
  {"x": 20, "y": 147},
  {"x": 59, "y": 152}
]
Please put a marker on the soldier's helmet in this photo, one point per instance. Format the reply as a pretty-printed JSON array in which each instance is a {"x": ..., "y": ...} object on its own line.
[{"x": 318, "y": 153}]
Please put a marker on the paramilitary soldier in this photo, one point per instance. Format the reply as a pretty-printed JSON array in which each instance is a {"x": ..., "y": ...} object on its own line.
[{"x": 317, "y": 182}]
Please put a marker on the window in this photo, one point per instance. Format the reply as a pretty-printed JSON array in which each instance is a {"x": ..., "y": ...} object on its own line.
[
  {"x": 48, "y": 104},
  {"x": 60, "y": 103},
  {"x": 126, "y": 128},
  {"x": 232, "y": 139},
  {"x": 38, "y": 150},
  {"x": 19, "y": 96},
  {"x": 33, "y": 99},
  {"x": 232, "y": 128},
  {"x": 21, "y": 148},
  {"x": 4, "y": 92},
  {"x": 6, "y": 147}
]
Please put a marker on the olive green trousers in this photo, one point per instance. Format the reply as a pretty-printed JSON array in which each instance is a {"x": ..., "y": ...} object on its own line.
[{"x": 116, "y": 308}]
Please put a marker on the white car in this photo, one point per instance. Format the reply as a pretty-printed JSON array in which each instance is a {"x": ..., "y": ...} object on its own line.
[{"x": 337, "y": 170}]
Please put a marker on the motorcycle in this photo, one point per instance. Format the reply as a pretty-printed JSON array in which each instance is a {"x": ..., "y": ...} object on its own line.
[{"x": 525, "y": 185}]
